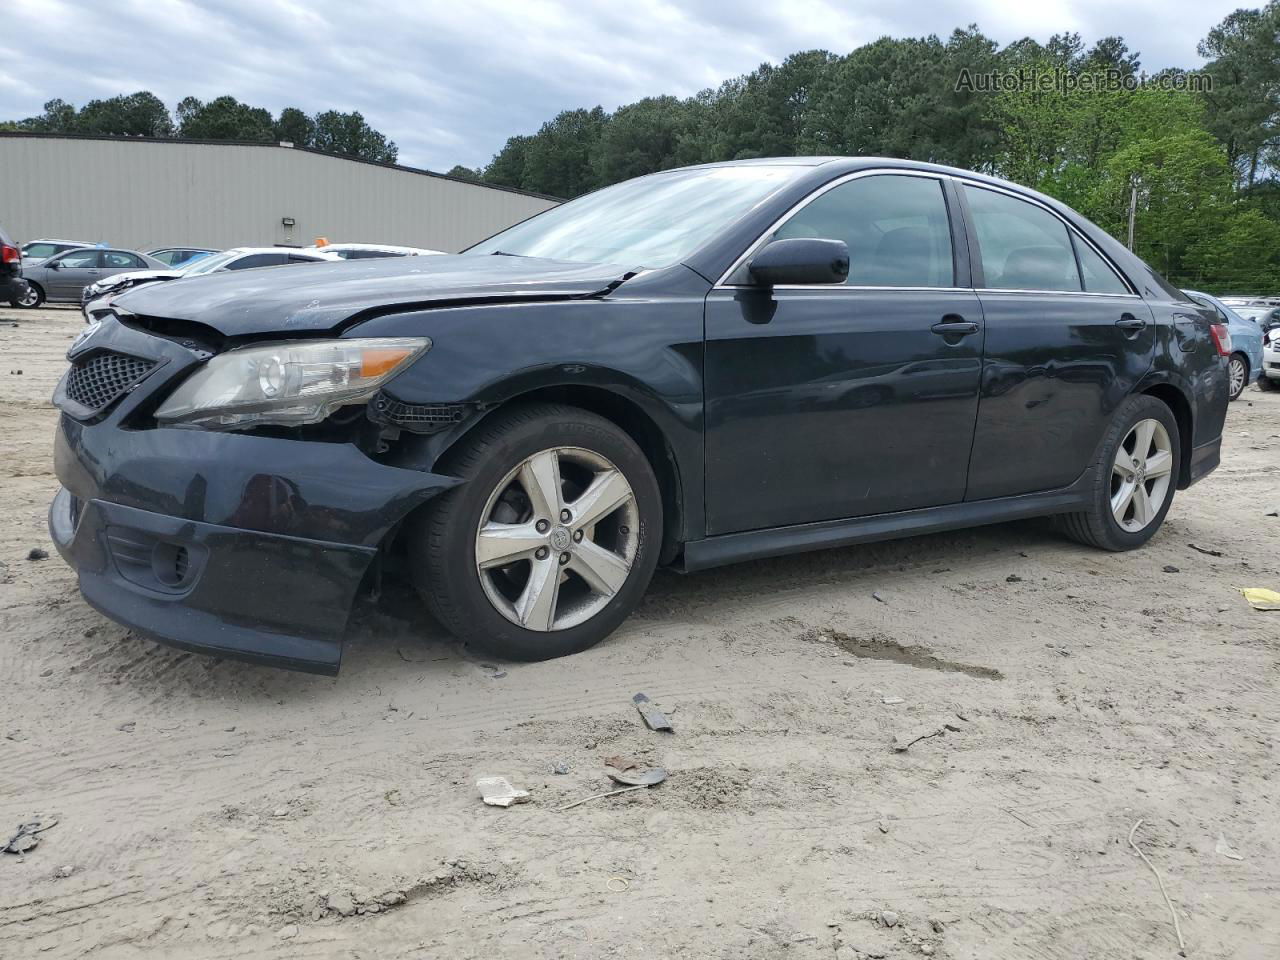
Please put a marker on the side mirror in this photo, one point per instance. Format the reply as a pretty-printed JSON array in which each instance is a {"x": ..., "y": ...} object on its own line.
[
  {"x": 56, "y": 265},
  {"x": 801, "y": 260}
]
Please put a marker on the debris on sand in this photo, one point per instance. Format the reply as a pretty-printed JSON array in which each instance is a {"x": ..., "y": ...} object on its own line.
[
  {"x": 876, "y": 596},
  {"x": 654, "y": 718},
  {"x": 1261, "y": 598},
  {"x": 637, "y": 778},
  {"x": 498, "y": 792},
  {"x": 1205, "y": 550},
  {"x": 888, "y": 918},
  {"x": 1170, "y": 568},
  {"x": 35, "y": 553},
  {"x": 903, "y": 742},
  {"x": 1013, "y": 578},
  {"x": 1225, "y": 849},
  {"x": 27, "y": 836},
  {"x": 560, "y": 768}
]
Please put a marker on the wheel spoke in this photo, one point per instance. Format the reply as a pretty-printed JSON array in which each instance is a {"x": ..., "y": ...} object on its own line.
[
  {"x": 606, "y": 493},
  {"x": 502, "y": 543},
  {"x": 1142, "y": 443},
  {"x": 1142, "y": 510},
  {"x": 1161, "y": 462},
  {"x": 540, "y": 477},
  {"x": 536, "y": 607},
  {"x": 1121, "y": 466},
  {"x": 604, "y": 571},
  {"x": 1120, "y": 500}
]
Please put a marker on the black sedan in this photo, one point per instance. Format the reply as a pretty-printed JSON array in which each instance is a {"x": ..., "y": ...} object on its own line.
[{"x": 693, "y": 368}]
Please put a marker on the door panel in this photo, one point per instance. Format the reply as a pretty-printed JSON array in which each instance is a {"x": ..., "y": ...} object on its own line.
[
  {"x": 833, "y": 402},
  {"x": 76, "y": 271},
  {"x": 1055, "y": 368}
]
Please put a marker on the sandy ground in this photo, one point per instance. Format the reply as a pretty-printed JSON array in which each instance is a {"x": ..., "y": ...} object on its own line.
[{"x": 210, "y": 809}]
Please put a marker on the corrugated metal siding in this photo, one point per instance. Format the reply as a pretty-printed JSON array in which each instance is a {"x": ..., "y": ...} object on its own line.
[{"x": 145, "y": 194}]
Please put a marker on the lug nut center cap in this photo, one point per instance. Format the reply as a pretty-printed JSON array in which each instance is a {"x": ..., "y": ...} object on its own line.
[{"x": 561, "y": 538}]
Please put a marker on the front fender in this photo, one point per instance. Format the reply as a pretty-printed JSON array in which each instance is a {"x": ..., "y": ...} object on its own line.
[{"x": 644, "y": 351}]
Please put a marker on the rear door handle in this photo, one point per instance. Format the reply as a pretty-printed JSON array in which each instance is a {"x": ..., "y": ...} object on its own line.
[
  {"x": 1128, "y": 322},
  {"x": 959, "y": 327}
]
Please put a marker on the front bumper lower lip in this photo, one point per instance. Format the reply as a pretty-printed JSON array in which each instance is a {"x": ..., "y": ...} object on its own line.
[
  {"x": 224, "y": 543},
  {"x": 282, "y": 601}
]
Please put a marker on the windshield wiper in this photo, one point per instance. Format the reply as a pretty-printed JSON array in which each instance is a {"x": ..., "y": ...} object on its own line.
[{"x": 503, "y": 253}]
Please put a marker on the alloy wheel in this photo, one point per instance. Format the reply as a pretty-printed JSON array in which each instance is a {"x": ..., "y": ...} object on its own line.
[
  {"x": 30, "y": 298},
  {"x": 1235, "y": 375},
  {"x": 557, "y": 539},
  {"x": 1141, "y": 475}
]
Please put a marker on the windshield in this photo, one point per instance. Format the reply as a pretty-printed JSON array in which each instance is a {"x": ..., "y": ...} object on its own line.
[
  {"x": 653, "y": 221},
  {"x": 207, "y": 264}
]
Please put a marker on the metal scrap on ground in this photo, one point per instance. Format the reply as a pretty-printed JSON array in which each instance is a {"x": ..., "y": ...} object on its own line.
[
  {"x": 654, "y": 718},
  {"x": 27, "y": 835}
]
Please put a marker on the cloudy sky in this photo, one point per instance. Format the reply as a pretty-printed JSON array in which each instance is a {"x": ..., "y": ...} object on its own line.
[{"x": 450, "y": 81}]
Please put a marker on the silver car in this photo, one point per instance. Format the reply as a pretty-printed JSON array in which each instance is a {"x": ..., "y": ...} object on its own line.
[{"x": 62, "y": 277}]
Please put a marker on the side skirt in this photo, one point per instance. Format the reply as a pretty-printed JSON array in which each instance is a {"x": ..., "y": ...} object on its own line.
[{"x": 779, "y": 541}]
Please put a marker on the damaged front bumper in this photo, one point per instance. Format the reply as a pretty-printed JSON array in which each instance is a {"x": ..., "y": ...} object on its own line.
[{"x": 226, "y": 543}]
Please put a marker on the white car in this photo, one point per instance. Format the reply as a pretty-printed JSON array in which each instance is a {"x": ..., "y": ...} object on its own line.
[
  {"x": 97, "y": 296},
  {"x": 1270, "y": 379},
  {"x": 374, "y": 251}
]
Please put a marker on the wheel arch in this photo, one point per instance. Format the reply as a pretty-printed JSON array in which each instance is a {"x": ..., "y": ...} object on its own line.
[
  {"x": 630, "y": 416},
  {"x": 1176, "y": 400}
]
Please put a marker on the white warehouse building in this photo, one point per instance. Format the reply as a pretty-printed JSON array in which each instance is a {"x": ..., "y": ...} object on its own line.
[{"x": 142, "y": 194}]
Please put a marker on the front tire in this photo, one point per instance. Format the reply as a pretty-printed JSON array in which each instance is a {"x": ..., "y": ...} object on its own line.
[
  {"x": 1237, "y": 375},
  {"x": 1266, "y": 384},
  {"x": 1134, "y": 478},
  {"x": 550, "y": 541}
]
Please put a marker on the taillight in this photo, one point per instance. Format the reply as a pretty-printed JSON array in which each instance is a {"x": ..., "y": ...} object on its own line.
[
  {"x": 1221, "y": 338},
  {"x": 9, "y": 254}
]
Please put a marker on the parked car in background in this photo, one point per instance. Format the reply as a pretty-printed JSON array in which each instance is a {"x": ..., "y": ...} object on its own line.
[
  {"x": 1244, "y": 364},
  {"x": 95, "y": 298},
  {"x": 374, "y": 251},
  {"x": 1270, "y": 360},
  {"x": 13, "y": 289},
  {"x": 538, "y": 423},
  {"x": 1266, "y": 316},
  {"x": 36, "y": 251},
  {"x": 63, "y": 277},
  {"x": 179, "y": 256}
]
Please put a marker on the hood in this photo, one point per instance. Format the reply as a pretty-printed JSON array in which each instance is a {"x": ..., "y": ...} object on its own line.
[
  {"x": 309, "y": 298},
  {"x": 138, "y": 276}
]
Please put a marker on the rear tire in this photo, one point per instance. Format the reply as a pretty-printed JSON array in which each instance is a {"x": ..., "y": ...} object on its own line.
[
  {"x": 33, "y": 299},
  {"x": 1134, "y": 478},
  {"x": 1266, "y": 384},
  {"x": 505, "y": 568},
  {"x": 1237, "y": 375}
]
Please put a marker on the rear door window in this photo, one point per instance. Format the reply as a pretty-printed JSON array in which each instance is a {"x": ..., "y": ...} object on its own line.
[
  {"x": 119, "y": 259},
  {"x": 1023, "y": 247},
  {"x": 1099, "y": 275}
]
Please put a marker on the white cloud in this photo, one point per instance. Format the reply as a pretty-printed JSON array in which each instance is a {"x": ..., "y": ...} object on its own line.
[{"x": 449, "y": 82}]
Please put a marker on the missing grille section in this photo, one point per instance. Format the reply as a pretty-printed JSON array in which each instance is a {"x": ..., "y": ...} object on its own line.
[{"x": 98, "y": 381}]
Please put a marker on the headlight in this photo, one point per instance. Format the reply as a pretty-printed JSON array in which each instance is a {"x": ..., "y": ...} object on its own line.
[{"x": 287, "y": 383}]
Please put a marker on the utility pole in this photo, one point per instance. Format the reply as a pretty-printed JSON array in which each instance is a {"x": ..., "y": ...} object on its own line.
[{"x": 1133, "y": 211}]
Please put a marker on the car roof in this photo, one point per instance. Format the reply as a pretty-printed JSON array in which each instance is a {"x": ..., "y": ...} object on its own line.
[
  {"x": 305, "y": 251},
  {"x": 156, "y": 250}
]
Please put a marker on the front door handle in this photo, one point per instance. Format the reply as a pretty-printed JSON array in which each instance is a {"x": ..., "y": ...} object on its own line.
[
  {"x": 1131, "y": 324},
  {"x": 954, "y": 326}
]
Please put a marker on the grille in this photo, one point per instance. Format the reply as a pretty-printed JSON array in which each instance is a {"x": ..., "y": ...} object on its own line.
[
  {"x": 419, "y": 417},
  {"x": 98, "y": 381}
]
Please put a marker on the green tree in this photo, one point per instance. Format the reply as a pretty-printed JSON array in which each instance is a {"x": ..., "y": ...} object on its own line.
[
  {"x": 1244, "y": 62},
  {"x": 464, "y": 173},
  {"x": 506, "y": 169},
  {"x": 348, "y": 134},
  {"x": 294, "y": 126},
  {"x": 224, "y": 118},
  {"x": 58, "y": 117},
  {"x": 644, "y": 137},
  {"x": 557, "y": 159},
  {"x": 140, "y": 114}
]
